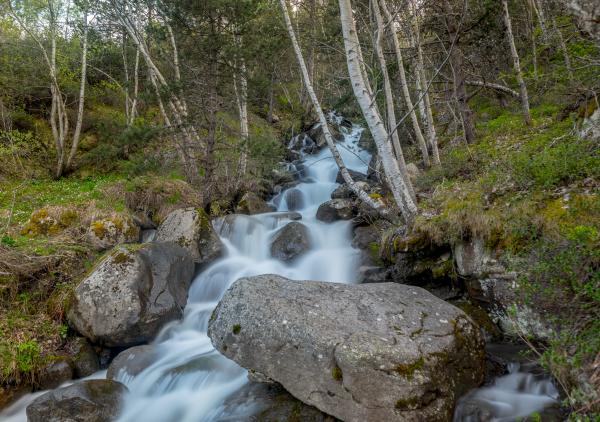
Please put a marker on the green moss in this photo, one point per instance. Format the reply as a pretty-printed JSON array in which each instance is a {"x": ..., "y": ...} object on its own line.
[
  {"x": 408, "y": 370},
  {"x": 99, "y": 229},
  {"x": 336, "y": 373},
  {"x": 236, "y": 329},
  {"x": 122, "y": 257},
  {"x": 410, "y": 403}
]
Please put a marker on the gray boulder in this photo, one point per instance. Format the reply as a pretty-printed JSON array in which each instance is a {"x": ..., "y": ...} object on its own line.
[
  {"x": 132, "y": 293},
  {"x": 290, "y": 241},
  {"x": 131, "y": 362},
  {"x": 85, "y": 359},
  {"x": 367, "y": 352},
  {"x": 191, "y": 229},
  {"x": 294, "y": 199},
  {"x": 251, "y": 204},
  {"x": 84, "y": 401},
  {"x": 55, "y": 373},
  {"x": 336, "y": 209},
  {"x": 356, "y": 176},
  {"x": 316, "y": 133}
]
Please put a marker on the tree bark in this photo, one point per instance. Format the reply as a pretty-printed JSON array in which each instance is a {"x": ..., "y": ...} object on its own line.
[
  {"x": 389, "y": 99},
  {"x": 363, "y": 196},
  {"x": 458, "y": 72},
  {"x": 241, "y": 94},
  {"x": 362, "y": 92},
  {"x": 404, "y": 84},
  {"x": 517, "y": 65},
  {"x": 81, "y": 104}
]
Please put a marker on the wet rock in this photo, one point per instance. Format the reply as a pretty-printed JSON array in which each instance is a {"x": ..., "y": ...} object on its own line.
[
  {"x": 336, "y": 209},
  {"x": 366, "y": 141},
  {"x": 356, "y": 176},
  {"x": 290, "y": 241},
  {"x": 84, "y": 401},
  {"x": 303, "y": 143},
  {"x": 251, "y": 204},
  {"x": 104, "y": 233},
  {"x": 368, "y": 352},
  {"x": 131, "y": 362},
  {"x": 132, "y": 293},
  {"x": 191, "y": 229},
  {"x": 366, "y": 237},
  {"x": 85, "y": 359},
  {"x": 318, "y": 135},
  {"x": 269, "y": 403},
  {"x": 143, "y": 221},
  {"x": 56, "y": 373},
  {"x": 294, "y": 199},
  {"x": 148, "y": 235},
  {"x": 373, "y": 274},
  {"x": 344, "y": 192}
]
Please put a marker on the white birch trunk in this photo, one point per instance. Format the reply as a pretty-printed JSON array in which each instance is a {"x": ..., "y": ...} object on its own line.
[
  {"x": 389, "y": 99},
  {"x": 369, "y": 109},
  {"x": 241, "y": 94},
  {"x": 404, "y": 84},
  {"x": 80, "y": 107},
  {"x": 363, "y": 196},
  {"x": 517, "y": 65}
]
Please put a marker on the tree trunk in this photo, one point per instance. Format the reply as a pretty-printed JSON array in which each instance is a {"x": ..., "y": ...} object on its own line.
[
  {"x": 404, "y": 84},
  {"x": 422, "y": 83},
  {"x": 389, "y": 99},
  {"x": 241, "y": 95},
  {"x": 363, "y": 196},
  {"x": 80, "y": 107},
  {"x": 563, "y": 48},
  {"x": 517, "y": 65},
  {"x": 362, "y": 91},
  {"x": 458, "y": 72}
]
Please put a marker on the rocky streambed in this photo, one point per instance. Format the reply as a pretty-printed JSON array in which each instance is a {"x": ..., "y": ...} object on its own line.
[{"x": 253, "y": 336}]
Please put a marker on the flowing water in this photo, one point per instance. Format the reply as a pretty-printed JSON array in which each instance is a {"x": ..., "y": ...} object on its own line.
[{"x": 189, "y": 381}]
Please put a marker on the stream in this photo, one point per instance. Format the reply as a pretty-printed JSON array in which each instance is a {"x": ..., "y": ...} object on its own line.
[{"x": 190, "y": 381}]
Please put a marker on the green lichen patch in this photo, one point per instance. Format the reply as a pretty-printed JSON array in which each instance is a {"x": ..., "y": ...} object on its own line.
[
  {"x": 236, "y": 329},
  {"x": 407, "y": 370},
  {"x": 336, "y": 373}
]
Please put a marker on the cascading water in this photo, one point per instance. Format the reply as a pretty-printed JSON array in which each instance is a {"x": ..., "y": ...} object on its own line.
[{"x": 190, "y": 381}]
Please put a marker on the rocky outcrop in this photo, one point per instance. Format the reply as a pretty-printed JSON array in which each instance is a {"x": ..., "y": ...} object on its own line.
[
  {"x": 336, "y": 209},
  {"x": 251, "y": 204},
  {"x": 374, "y": 352},
  {"x": 131, "y": 362},
  {"x": 85, "y": 359},
  {"x": 317, "y": 134},
  {"x": 106, "y": 232},
  {"x": 132, "y": 293},
  {"x": 290, "y": 241},
  {"x": 84, "y": 401},
  {"x": 191, "y": 229}
]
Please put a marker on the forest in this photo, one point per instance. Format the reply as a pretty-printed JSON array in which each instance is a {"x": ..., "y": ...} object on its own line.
[{"x": 171, "y": 172}]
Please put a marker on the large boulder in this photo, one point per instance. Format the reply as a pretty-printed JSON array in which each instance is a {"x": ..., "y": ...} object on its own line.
[
  {"x": 191, "y": 229},
  {"x": 290, "y": 241},
  {"x": 106, "y": 232},
  {"x": 131, "y": 362},
  {"x": 251, "y": 204},
  {"x": 318, "y": 135},
  {"x": 294, "y": 199},
  {"x": 132, "y": 293},
  {"x": 336, "y": 209},
  {"x": 84, "y": 401},
  {"x": 367, "y": 352}
]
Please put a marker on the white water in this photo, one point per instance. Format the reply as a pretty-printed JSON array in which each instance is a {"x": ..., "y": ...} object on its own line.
[{"x": 189, "y": 381}]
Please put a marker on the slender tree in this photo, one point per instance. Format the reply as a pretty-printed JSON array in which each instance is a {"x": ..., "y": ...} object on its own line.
[{"x": 517, "y": 64}]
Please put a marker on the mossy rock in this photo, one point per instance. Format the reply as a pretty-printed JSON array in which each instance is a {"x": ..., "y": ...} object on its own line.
[
  {"x": 106, "y": 232},
  {"x": 50, "y": 221}
]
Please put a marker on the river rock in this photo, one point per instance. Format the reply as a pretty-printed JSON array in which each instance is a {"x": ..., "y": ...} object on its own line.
[
  {"x": 336, "y": 209},
  {"x": 367, "y": 352},
  {"x": 132, "y": 293},
  {"x": 191, "y": 229},
  {"x": 85, "y": 359},
  {"x": 251, "y": 204},
  {"x": 318, "y": 135},
  {"x": 294, "y": 199},
  {"x": 104, "y": 233},
  {"x": 356, "y": 176},
  {"x": 131, "y": 362},
  {"x": 290, "y": 241},
  {"x": 56, "y": 373},
  {"x": 84, "y": 401}
]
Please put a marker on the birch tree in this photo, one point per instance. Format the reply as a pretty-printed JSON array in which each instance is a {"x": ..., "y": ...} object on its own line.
[
  {"x": 363, "y": 93},
  {"x": 362, "y": 195},
  {"x": 404, "y": 83},
  {"x": 81, "y": 102},
  {"x": 517, "y": 65},
  {"x": 389, "y": 99},
  {"x": 240, "y": 86}
]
